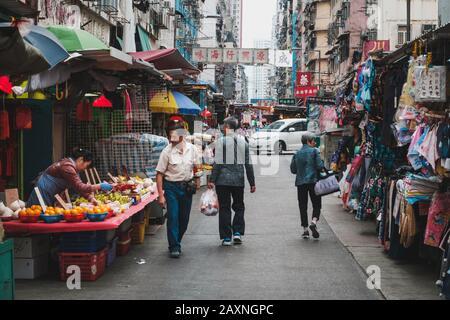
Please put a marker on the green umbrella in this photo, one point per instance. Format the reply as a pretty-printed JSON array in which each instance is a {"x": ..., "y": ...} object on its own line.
[{"x": 76, "y": 39}]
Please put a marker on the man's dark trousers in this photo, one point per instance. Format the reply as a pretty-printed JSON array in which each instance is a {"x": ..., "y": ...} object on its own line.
[
  {"x": 224, "y": 194},
  {"x": 302, "y": 193}
]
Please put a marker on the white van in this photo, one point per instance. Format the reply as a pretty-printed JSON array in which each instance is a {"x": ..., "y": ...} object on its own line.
[{"x": 281, "y": 135}]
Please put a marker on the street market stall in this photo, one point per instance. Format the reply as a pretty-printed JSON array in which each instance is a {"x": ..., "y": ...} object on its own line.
[{"x": 395, "y": 162}]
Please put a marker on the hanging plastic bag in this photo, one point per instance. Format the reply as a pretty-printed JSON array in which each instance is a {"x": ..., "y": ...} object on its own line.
[{"x": 209, "y": 204}]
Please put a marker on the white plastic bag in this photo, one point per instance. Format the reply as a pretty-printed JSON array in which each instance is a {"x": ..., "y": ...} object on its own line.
[{"x": 209, "y": 204}]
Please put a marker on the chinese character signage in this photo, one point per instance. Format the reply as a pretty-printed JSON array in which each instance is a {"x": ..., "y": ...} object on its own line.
[
  {"x": 245, "y": 56},
  {"x": 283, "y": 59},
  {"x": 375, "y": 45},
  {"x": 430, "y": 84},
  {"x": 231, "y": 55},
  {"x": 287, "y": 102},
  {"x": 303, "y": 79},
  {"x": 214, "y": 55},
  {"x": 308, "y": 91}
]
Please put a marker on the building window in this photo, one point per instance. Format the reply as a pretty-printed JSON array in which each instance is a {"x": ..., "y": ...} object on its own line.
[
  {"x": 402, "y": 30},
  {"x": 428, "y": 28},
  {"x": 372, "y": 34},
  {"x": 344, "y": 48}
]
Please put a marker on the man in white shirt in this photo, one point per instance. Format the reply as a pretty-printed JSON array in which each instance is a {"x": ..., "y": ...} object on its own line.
[{"x": 175, "y": 177}]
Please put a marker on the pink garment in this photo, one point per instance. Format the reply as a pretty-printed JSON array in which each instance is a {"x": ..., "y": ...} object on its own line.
[
  {"x": 415, "y": 137},
  {"x": 428, "y": 148},
  {"x": 438, "y": 218}
]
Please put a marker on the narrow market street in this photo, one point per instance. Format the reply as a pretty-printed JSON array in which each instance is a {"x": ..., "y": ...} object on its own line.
[{"x": 273, "y": 263}]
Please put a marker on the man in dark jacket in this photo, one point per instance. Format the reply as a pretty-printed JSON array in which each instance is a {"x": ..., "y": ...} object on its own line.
[
  {"x": 232, "y": 158},
  {"x": 306, "y": 164}
]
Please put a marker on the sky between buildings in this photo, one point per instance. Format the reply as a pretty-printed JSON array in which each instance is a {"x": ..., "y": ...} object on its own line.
[{"x": 257, "y": 25}]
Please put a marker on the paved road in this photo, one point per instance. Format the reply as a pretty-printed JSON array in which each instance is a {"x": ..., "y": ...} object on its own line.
[{"x": 273, "y": 263}]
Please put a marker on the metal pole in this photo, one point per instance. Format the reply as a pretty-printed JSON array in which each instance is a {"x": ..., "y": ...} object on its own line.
[
  {"x": 408, "y": 20},
  {"x": 320, "y": 71}
]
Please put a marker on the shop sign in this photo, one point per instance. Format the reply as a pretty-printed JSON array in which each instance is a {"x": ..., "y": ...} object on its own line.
[
  {"x": 307, "y": 91},
  {"x": 375, "y": 45},
  {"x": 303, "y": 79},
  {"x": 283, "y": 59},
  {"x": 287, "y": 102},
  {"x": 231, "y": 55}
]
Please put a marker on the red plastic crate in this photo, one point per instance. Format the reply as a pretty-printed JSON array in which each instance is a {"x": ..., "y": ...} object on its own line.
[
  {"x": 124, "y": 243},
  {"x": 92, "y": 265}
]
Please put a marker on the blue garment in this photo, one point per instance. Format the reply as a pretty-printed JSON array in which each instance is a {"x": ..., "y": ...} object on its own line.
[
  {"x": 306, "y": 164},
  {"x": 179, "y": 205},
  {"x": 49, "y": 186}
]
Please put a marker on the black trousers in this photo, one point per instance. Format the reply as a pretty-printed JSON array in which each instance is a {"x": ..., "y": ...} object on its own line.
[
  {"x": 224, "y": 194},
  {"x": 302, "y": 193}
]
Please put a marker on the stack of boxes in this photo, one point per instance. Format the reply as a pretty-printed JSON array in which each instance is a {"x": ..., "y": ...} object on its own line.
[{"x": 31, "y": 256}]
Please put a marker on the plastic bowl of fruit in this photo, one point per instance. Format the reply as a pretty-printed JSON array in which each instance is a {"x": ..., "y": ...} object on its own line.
[
  {"x": 51, "y": 218},
  {"x": 74, "y": 217},
  {"x": 25, "y": 218},
  {"x": 97, "y": 217}
]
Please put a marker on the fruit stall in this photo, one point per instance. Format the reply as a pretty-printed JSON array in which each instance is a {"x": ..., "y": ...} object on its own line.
[{"x": 79, "y": 233}]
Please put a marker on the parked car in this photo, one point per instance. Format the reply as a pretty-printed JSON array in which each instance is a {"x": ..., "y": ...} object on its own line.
[{"x": 281, "y": 135}]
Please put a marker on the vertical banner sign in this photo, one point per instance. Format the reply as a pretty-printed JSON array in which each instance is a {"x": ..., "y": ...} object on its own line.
[
  {"x": 230, "y": 55},
  {"x": 214, "y": 56}
]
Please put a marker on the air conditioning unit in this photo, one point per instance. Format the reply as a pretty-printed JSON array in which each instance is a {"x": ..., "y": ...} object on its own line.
[{"x": 166, "y": 4}]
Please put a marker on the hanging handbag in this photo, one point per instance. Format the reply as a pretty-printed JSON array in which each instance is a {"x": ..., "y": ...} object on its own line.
[{"x": 327, "y": 182}]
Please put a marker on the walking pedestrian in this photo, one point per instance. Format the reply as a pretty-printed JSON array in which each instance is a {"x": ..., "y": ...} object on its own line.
[
  {"x": 177, "y": 183},
  {"x": 306, "y": 165},
  {"x": 232, "y": 158}
]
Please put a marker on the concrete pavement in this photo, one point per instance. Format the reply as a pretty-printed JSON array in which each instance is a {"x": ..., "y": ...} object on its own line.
[{"x": 273, "y": 263}]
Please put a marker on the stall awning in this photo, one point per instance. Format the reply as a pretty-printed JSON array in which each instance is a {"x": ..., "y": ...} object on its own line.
[
  {"x": 167, "y": 59},
  {"x": 173, "y": 102},
  {"x": 109, "y": 59}
]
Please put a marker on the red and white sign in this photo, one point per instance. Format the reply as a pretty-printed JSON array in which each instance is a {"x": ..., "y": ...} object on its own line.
[
  {"x": 246, "y": 56},
  {"x": 303, "y": 79},
  {"x": 306, "y": 91},
  {"x": 261, "y": 56},
  {"x": 214, "y": 56},
  {"x": 230, "y": 55}
]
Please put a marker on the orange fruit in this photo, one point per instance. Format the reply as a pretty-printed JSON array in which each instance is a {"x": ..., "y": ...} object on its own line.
[
  {"x": 97, "y": 210},
  {"x": 74, "y": 212},
  {"x": 36, "y": 212},
  {"x": 67, "y": 211}
]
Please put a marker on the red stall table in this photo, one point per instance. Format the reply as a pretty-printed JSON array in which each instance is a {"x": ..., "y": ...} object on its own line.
[{"x": 16, "y": 227}]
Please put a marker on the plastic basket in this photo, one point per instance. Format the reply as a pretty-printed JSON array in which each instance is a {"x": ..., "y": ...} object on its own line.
[
  {"x": 138, "y": 233},
  {"x": 92, "y": 265},
  {"x": 112, "y": 252},
  {"x": 124, "y": 242},
  {"x": 52, "y": 219},
  {"x": 91, "y": 241}
]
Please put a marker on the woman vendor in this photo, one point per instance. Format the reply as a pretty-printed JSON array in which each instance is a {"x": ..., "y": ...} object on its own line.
[{"x": 64, "y": 175}]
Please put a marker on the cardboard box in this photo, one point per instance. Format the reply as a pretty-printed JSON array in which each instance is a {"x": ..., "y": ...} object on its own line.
[
  {"x": 31, "y": 247},
  {"x": 30, "y": 268}
]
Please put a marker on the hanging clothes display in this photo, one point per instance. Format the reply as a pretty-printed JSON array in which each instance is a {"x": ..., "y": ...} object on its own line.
[{"x": 438, "y": 217}]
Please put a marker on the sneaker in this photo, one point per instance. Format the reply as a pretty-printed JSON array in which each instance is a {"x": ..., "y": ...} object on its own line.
[
  {"x": 305, "y": 235},
  {"x": 175, "y": 254},
  {"x": 237, "y": 238},
  {"x": 315, "y": 233},
  {"x": 226, "y": 242}
]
